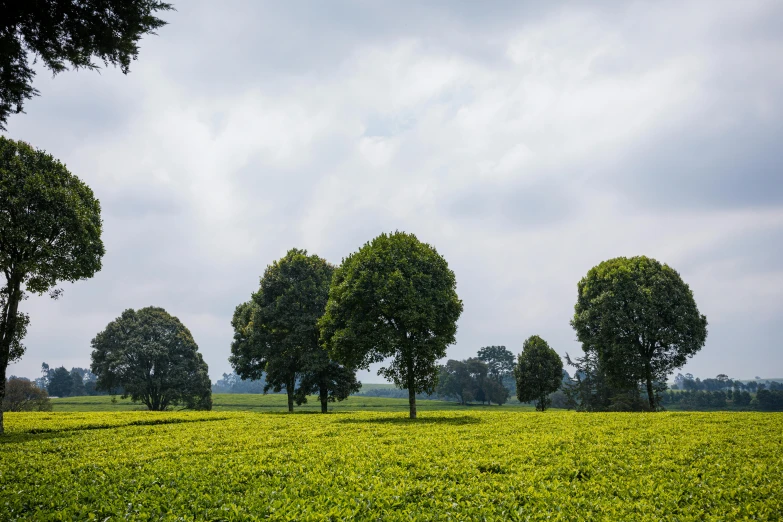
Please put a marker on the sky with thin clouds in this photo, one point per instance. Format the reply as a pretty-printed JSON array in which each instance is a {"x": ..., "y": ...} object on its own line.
[{"x": 526, "y": 141}]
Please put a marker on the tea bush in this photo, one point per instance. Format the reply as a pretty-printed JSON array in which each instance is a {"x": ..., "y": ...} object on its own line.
[{"x": 454, "y": 465}]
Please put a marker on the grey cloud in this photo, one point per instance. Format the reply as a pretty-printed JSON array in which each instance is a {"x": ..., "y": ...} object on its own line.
[
  {"x": 197, "y": 242},
  {"x": 518, "y": 205},
  {"x": 699, "y": 167}
]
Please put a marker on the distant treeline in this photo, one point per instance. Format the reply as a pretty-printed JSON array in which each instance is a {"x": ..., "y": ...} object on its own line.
[
  {"x": 61, "y": 382},
  {"x": 233, "y": 383},
  {"x": 722, "y": 383},
  {"x": 763, "y": 400},
  {"x": 485, "y": 379}
]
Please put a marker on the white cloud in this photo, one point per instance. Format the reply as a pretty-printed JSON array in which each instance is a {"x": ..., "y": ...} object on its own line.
[{"x": 516, "y": 147}]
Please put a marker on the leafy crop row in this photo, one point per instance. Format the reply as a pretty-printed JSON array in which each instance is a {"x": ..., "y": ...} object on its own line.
[{"x": 381, "y": 466}]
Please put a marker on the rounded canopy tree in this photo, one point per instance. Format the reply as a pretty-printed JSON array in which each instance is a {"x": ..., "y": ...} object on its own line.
[
  {"x": 50, "y": 231},
  {"x": 276, "y": 333},
  {"x": 153, "y": 358},
  {"x": 396, "y": 297},
  {"x": 640, "y": 319},
  {"x": 539, "y": 372}
]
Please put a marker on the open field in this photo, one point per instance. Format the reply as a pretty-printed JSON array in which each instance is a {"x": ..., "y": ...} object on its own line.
[
  {"x": 275, "y": 402},
  {"x": 503, "y": 464}
]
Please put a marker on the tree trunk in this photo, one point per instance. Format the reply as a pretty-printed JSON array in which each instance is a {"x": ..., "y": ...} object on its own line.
[
  {"x": 324, "y": 397},
  {"x": 7, "y": 329},
  {"x": 289, "y": 389},
  {"x": 2, "y": 396},
  {"x": 650, "y": 396},
  {"x": 412, "y": 398}
]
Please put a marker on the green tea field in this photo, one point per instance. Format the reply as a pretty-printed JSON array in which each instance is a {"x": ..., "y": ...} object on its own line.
[{"x": 503, "y": 464}]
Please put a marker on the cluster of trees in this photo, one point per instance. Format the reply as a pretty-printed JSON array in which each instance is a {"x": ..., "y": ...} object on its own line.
[
  {"x": 536, "y": 376},
  {"x": 769, "y": 400},
  {"x": 311, "y": 325},
  {"x": 696, "y": 400},
  {"x": 233, "y": 383},
  {"x": 721, "y": 382},
  {"x": 276, "y": 335},
  {"x": 59, "y": 382},
  {"x": 50, "y": 222},
  {"x": 764, "y": 399},
  {"x": 472, "y": 381}
]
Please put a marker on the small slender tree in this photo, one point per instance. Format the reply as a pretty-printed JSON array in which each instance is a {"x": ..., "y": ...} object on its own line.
[
  {"x": 539, "y": 372},
  {"x": 394, "y": 298},
  {"x": 50, "y": 231}
]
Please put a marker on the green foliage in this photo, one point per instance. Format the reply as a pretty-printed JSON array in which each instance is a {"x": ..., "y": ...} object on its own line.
[
  {"x": 770, "y": 400},
  {"x": 469, "y": 381},
  {"x": 500, "y": 361},
  {"x": 539, "y": 372},
  {"x": 154, "y": 359},
  {"x": 328, "y": 379},
  {"x": 455, "y": 381},
  {"x": 67, "y": 32},
  {"x": 458, "y": 465},
  {"x": 276, "y": 333},
  {"x": 61, "y": 383},
  {"x": 23, "y": 395},
  {"x": 640, "y": 320},
  {"x": 50, "y": 231},
  {"x": 78, "y": 387},
  {"x": 396, "y": 297}
]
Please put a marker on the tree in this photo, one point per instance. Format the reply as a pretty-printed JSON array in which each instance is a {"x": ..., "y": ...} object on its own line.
[
  {"x": 590, "y": 390},
  {"x": 478, "y": 371},
  {"x": 68, "y": 32},
  {"x": 454, "y": 380},
  {"x": 494, "y": 391},
  {"x": 50, "y": 231},
  {"x": 770, "y": 400},
  {"x": 152, "y": 356},
  {"x": 499, "y": 359},
  {"x": 539, "y": 372},
  {"x": 640, "y": 318},
  {"x": 46, "y": 376},
  {"x": 77, "y": 389},
  {"x": 328, "y": 379},
  {"x": 396, "y": 297},
  {"x": 742, "y": 398},
  {"x": 23, "y": 395},
  {"x": 61, "y": 383},
  {"x": 276, "y": 332}
]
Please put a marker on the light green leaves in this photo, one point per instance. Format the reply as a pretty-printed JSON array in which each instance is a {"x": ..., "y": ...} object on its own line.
[{"x": 459, "y": 465}]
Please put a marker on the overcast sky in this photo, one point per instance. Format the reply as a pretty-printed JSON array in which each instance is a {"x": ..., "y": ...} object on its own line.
[{"x": 526, "y": 142}]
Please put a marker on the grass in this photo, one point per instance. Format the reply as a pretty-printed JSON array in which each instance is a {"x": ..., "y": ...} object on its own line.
[{"x": 274, "y": 403}]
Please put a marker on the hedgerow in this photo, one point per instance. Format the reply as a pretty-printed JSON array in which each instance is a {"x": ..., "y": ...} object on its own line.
[{"x": 381, "y": 466}]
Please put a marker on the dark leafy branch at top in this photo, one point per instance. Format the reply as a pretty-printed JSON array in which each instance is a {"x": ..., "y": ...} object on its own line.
[{"x": 63, "y": 33}]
